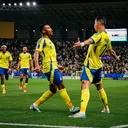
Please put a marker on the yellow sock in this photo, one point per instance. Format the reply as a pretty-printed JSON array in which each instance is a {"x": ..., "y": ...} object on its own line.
[
  {"x": 85, "y": 95},
  {"x": 25, "y": 85},
  {"x": 66, "y": 98},
  {"x": 103, "y": 97},
  {"x": 3, "y": 86},
  {"x": 44, "y": 97}
]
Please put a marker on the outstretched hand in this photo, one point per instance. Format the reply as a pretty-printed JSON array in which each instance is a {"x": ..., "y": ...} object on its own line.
[
  {"x": 38, "y": 68},
  {"x": 118, "y": 58},
  {"x": 61, "y": 68},
  {"x": 77, "y": 44}
]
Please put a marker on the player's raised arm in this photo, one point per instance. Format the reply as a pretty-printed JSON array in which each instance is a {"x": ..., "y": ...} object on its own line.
[
  {"x": 84, "y": 43},
  {"x": 113, "y": 54},
  {"x": 36, "y": 59}
]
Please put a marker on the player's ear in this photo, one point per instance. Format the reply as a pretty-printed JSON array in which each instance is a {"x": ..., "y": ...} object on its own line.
[{"x": 44, "y": 31}]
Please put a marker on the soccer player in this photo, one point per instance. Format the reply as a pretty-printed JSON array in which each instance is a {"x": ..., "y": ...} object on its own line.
[
  {"x": 24, "y": 64},
  {"x": 5, "y": 66},
  {"x": 98, "y": 44},
  {"x": 46, "y": 49}
]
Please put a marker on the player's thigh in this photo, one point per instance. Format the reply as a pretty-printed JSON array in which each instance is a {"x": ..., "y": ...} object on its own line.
[
  {"x": 5, "y": 71},
  {"x": 1, "y": 71},
  {"x": 53, "y": 88},
  {"x": 98, "y": 77},
  {"x": 22, "y": 73},
  {"x": 6, "y": 74},
  {"x": 54, "y": 77},
  {"x": 26, "y": 71},
  {"x": 86, "y": 75}
]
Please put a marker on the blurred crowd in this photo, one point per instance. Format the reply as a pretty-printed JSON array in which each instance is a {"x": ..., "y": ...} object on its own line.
[{"x": 71, "y": 59}]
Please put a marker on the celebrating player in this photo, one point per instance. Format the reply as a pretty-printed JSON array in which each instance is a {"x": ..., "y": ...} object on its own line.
[
  {"x": 46, "y": 49},
  {"x": 5, "y": 66},
  {"x": 91, "y": 73},
  {"x": 24, "y": 64}
]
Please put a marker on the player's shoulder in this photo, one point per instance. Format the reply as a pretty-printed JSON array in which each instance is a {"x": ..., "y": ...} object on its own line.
[
  {"x": 28, "y": 53},
  {"x": 43, "y": 40},
  {"x": 7, "y": 52},
  {"x": 40, "y": 40},
  {"x": 21, "y": 53},
  {"x": 99, "y": 33}
]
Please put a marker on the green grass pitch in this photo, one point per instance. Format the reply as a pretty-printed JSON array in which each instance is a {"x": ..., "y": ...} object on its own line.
[{"x": 14, "y": 106}]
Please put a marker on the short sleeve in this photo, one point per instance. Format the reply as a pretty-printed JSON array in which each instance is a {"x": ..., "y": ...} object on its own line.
[
  {"x": 41, "y": 43},
  {"x": 10, "y": 57},
  {"x": 109, "y": 45},
  {"x": 96, "y": 37},
  {"x": 20, "y": 57},
  {"x": 30, "y": 58}
]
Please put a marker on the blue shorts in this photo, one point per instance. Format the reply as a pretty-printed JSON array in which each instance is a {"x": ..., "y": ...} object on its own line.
[
  {"x": 25, "y": 71},
  {"x": 54, "y": 77},
  {"x": 4, "y": 71},
  {"x": 92, "y": 75}
]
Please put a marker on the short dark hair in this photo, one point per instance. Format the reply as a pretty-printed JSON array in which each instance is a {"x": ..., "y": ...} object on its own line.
[
  {"x": 41, "y": 27},
  {"x": 101, "y": 19}
]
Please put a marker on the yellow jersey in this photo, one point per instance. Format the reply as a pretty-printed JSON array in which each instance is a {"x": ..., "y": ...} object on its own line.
[
  {"x": 101, "y": 43},
  {"x": 5, "y": 58},
  {"x": 48, "y": 53},
  {"x": 25, "y": 59}
]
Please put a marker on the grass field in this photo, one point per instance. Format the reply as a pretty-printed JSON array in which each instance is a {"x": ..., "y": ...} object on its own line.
[{"x": 14, "y": 106}]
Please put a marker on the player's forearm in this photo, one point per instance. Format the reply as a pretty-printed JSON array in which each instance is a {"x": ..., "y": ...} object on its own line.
[
  {"x": 86, "y": 42},
  {"x": 18, "y": 64},
  {"x": 36, "y": 57},
  {"x": 10, "y": 65},
  {"x": 31, "y": 63},
  {"x": 113, "y": 54}
]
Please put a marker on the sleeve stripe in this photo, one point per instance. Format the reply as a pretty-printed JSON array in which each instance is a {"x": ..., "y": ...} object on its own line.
[{"x": 92, "y": 40}]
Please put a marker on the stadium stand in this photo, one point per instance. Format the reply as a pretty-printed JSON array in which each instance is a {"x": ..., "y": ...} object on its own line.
[{"x": 71, "y": 59}]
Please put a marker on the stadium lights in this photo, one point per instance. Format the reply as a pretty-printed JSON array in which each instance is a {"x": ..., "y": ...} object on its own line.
[
  {"x": 34, "y": 3},
  {"x": 21, "y": 4},
  {"x": 3, "y": 4},
  {"x": 15, "y": 4},
  {"x": 28, "y": 3},
  {"x": 9, "y": 4}
]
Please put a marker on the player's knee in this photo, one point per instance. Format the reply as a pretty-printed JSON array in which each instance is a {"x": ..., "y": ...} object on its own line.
[
  {"x": 21, "y": 75},
  {"x": 99, "y": 86},
  {"x": 2, "y": 79},
  {"x": 7, "y": 77},
  {"x": 53, "y": 89},
  {"x": 85, "y": 84},
  {"x": 60, "y": 86},
  {"x": 21, "y": 79},
  {"x": 26, "y": 80}
]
